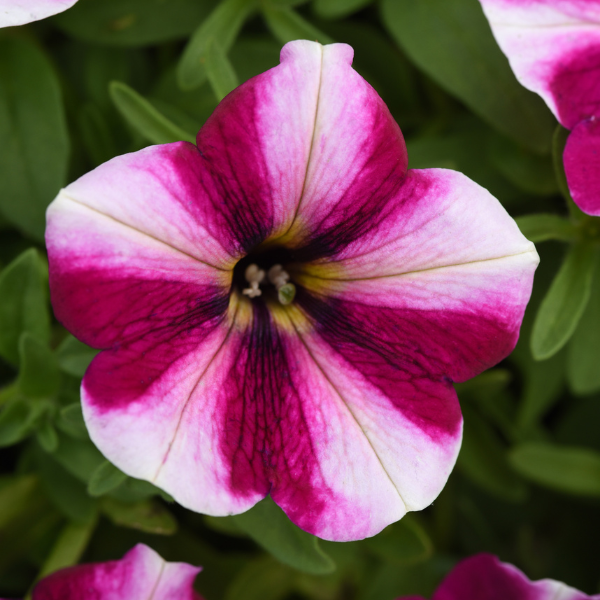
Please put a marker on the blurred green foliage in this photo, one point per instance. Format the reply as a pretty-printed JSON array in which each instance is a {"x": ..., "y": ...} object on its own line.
[{"x": 111, "y": 76}]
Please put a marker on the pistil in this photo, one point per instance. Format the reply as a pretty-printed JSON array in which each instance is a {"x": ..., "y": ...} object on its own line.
[{"x": 280, "y": 278}]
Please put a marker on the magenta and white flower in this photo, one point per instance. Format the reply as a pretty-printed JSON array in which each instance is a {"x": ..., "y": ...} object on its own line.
[
  {"x": 284, "y": 307},
  {"x": 484, "y": 577},
  {"x": 140, "y": 575},
  {"x": 20, "y": 12},
  {"x": 554, "y": 49}
]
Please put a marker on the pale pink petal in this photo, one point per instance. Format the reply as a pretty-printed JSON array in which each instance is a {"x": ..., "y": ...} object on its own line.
[
  {"x": 553, "y": 47},
  {"x": 19, "y": 12},
  {"x": 582, "y": 165},
  {"x": 437, "y": 218},
  {"x": 486, "y": 578},
  {"x": 265, "y": 419},
  {"x": 158, "y": 313},
  {"x": 258, "y": 141},
  {"x": 357, "y": 162},
  {"x": 140, "y": 575}
]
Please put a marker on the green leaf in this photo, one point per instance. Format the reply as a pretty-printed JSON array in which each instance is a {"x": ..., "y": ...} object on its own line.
[
  {"x": 270, "y": 528},
  {"x": 34, "y": 148},
  {"x": 135, "y": 490},
  {"x": 262, "y": 579},
  {"x": 104, "y": 479},
  {"x": 16, "y": 496},
  {"x": 96, "y": 134},
  {"x": 46, "y": 436},
  {"x": 564, "y": 468},
  {"x": 148, "y": 515},
  {"x": 79, "y": 457},
  {"x": 544, "y": 382},
  {"x": 488, "y": 382},
  {"x": 251, "y": 56},
  {"x": 39, "y": 376},
  {"x": 559, "y": 140},
  {"x": 337, "y": 9},
  {"x": 223, "y": 24},
  {"x": 70, "y": 420},
  {"x": 542, "y": 227},
  {"x": 23, "y": 304},
  {"x": 18, "y": 419},
  {"x": 452, "y": 42},
  {"x": 583, "y": 362},
  {"x": 529, "y": 172},
  {"x": 483, "y": 459},
  {"x": 220, "y": 73},
  {"x": 133, "y": 22},
  {"x": 564, "y": 303},
  {"x": 224, "y": 525},
  {"x": 69, "y": 547},
  {"x": 390, "y": 581},
  {"x": 144, "y": 118},
  {"x": 74, "y": 357},
  {"x": 287, "y": 25},
  {"x": 404, "y": 542},
  {"x": 65, "y": 491}
]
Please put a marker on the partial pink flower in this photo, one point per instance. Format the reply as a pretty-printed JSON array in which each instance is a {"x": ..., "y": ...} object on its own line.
[
  {"x": 140, "y": 575},
  {"x": 484, "y": 577},
  {"x": 20, "y": 12},
  {"x": 553, "y": 47},
  {"x": 283, "y": 308}
]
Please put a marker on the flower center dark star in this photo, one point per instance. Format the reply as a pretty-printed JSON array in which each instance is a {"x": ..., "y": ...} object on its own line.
[{"x": 263, "y": 275}]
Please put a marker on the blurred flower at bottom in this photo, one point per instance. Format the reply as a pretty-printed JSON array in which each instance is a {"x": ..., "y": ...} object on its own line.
[
  {"x": 140, "y": 575},
  {"x": 484, "y": 577}
]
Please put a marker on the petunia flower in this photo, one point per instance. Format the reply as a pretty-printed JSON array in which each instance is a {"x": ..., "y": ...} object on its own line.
[
  {"x": 20, "y": 12},
  {"x": 284, "y": 307},
  {"x": 554, "y": 49},
  {"x": 140, "y": 575},
  {"x": 484, "y": 577}
]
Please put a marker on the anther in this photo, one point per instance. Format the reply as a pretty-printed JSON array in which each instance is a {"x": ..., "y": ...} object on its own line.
[{"x": 254, "y": 276}]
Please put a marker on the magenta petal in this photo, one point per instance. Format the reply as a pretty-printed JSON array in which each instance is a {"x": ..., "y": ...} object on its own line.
[
  {"x": 257, "y": 144},
  {"x": 582, "y": 165},
  {"x": 265, "y": 419},
  {"x": 357, "y": 163},
  {"x": 140, "y": 575},
  {"x": 20, "y": 12},
  {"x": 484, "y": 577},
  {"x": 553, "y": 47}
]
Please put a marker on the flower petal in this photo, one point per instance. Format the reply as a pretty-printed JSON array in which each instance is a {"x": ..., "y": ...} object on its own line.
[
  {"x": 141, "y": 575},
  {"x": 437, "y": 218},
  {"x": 111, "y": 283},
  {"x": 19, "y": 12},
  {"x": 394, "y": 341},
  {"x": 257, "y": 144},
  {"x": 165, "y": 192},
  {"x": 553, "y": 47},
  {"x": 582, "y": 165},
  {"x": 486, "y": 578},
  {"x": 158, "y": 313},
  {"x": 357, "y": 162},
  {"x": 264, "y": 419}
]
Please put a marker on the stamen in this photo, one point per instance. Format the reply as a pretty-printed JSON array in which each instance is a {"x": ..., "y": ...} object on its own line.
[
  {"x": 277, "y": 276},
  {"x": 254, "y": 276}
]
